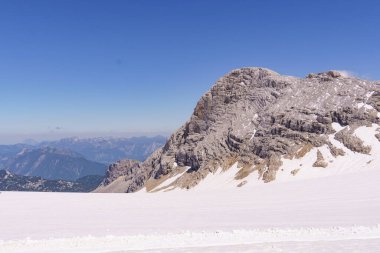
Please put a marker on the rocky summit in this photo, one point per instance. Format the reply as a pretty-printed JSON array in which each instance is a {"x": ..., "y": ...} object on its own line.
[{"x": 256, "y": 118}]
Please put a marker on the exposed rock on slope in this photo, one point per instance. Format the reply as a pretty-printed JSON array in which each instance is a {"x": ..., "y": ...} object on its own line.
[
  {"x": 120, "y": 168},
  {"x": 256, "y": 117},
  {"x": 320, "y": 162}
]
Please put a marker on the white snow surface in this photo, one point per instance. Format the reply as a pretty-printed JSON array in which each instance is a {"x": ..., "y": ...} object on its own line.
[{"x": 332, "y": 209}]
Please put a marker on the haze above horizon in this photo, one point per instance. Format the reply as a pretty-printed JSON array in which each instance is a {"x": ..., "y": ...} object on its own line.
[{"x": 92, "y": 68}]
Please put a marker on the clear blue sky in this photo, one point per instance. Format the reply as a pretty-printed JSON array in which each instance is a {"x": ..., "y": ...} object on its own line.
[{"x": 107, "y": 67}]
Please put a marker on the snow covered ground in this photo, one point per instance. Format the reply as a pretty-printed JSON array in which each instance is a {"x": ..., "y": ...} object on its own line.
[
  {"x": 336, "y": 210},
  {"x": 333, "y": 211}
]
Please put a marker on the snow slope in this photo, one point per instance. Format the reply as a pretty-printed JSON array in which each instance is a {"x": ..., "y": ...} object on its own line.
[
  {"x": 341, "y": 207},
  {"x": 332, "y": 209}
]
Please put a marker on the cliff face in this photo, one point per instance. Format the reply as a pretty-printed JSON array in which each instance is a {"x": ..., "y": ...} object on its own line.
[{"x": 256, "y": 118}]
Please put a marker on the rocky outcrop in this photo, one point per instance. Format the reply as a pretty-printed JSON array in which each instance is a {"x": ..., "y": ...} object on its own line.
[
  {"x": 335, "y": 151},
  {"x": 378, "y": 136},
  {"x": 320, "y": 162},
  {"x": 351, "y": 141},
  {"x": 294, "y": 172},
  {"x": 120, "y": 168},
  {"x": 254, "y": 116}
]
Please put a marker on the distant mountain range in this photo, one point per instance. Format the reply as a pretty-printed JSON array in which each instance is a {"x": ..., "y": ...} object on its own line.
[
  {"x": 110, "y": 150},
  {"x": 73, "y": 158},
  {"x": 7, "y": 152},
  {"x": 52, "y": 163},
  {"x": 13, "y": 182}
]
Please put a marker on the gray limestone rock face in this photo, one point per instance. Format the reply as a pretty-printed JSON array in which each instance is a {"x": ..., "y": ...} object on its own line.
[
  {"x": 118, "y": 169},
  {"x": 254, "y": 116}
]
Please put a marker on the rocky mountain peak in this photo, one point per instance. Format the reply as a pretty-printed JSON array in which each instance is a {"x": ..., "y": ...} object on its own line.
[
  {"x": 256, "y": 117},
  {"x": 251, "y": 73},
  {"x": 329, "y": 75}
]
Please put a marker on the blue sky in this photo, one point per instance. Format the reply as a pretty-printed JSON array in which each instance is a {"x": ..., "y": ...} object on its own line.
[{"x": 134, "y": 67}]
